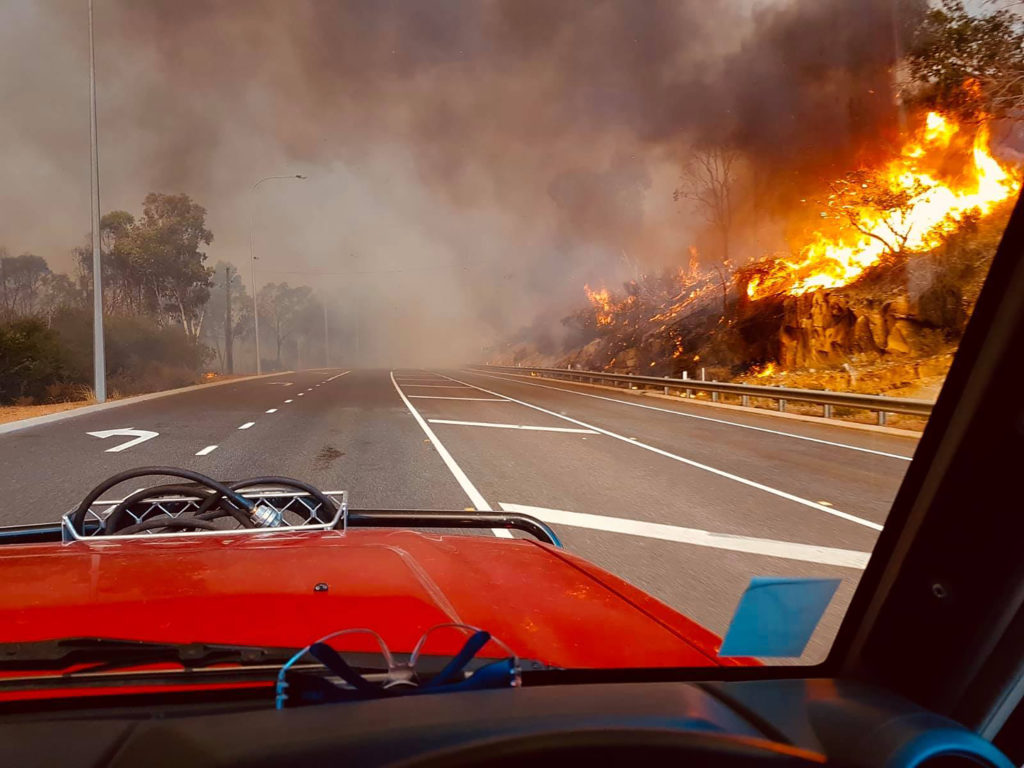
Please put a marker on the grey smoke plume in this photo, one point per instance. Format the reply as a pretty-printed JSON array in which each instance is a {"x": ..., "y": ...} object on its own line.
[{"x": 471, "y": 163}]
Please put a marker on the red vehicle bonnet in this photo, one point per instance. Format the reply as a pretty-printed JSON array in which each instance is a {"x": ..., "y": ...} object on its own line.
[{"x": 542, "y": 602}]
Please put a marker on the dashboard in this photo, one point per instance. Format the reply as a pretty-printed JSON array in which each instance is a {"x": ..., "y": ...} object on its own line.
[{"x": 750, "y": 723}]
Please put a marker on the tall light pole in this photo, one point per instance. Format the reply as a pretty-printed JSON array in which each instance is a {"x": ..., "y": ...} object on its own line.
[
  {"x": 327, "y": 339},
  {"x": 252, "y": 257},
  {"x": 98, "y": 357}
]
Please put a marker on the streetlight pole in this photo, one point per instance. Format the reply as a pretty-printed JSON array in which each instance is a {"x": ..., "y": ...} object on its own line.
[
  {"x": 252, "y": 257},
  {"x": 98, "y": 357},
  {"x": 327, "y": 339},
  {"x": 229, "y": 331}
]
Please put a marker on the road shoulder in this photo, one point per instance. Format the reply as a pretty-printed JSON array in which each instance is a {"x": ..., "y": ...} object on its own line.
[{"x": 72, "y": 411}]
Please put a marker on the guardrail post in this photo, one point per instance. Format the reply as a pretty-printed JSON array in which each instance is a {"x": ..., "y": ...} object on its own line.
[
  {"x": 827, "y": 410},
  {"x": 714, "y": 397},
  {"x": 689, "y": 393},
  {"x": 881, "y": 418},
  {"x": 782, "y": 405},
  {"x": 745, "y": 400},
  {"x": 666, "y": 387}
]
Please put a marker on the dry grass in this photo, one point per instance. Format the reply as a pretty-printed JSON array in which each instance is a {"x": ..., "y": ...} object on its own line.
[
  {"x": 10, "y": 413},
  {"x": 83, "y": 395}
]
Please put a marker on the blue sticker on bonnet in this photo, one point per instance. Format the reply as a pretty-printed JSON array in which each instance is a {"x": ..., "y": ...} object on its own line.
[{"x": 777, "y": 616}]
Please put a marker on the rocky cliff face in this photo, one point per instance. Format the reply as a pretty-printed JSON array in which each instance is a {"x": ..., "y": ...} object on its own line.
[{"x": 825, "y": 329}]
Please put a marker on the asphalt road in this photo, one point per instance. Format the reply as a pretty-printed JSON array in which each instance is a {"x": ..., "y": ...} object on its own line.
[{"x": 685, "y": 500}]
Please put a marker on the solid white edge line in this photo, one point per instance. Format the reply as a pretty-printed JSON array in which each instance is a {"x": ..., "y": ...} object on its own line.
[
  {"x": 808, "y": 553},
  {"x": 460, "y": 477},
  {"x": 675, "y": 457},
  {"x": 271, "y": 410},
  {"x": 502, "y": 377},
  {"x": 247, "y": 425},
  {"x": 474, "y": 399},
  {"x": 511, "y": 426},
  {"x": 206, "y": 450}
]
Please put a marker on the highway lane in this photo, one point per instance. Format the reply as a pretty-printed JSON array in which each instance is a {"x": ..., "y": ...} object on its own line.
[
  {"x": 863, "y": 468},
  {"x": 649, "y": 466},
  {"x": 347, "y": 433},
  {"x": 686, "y": 501}
]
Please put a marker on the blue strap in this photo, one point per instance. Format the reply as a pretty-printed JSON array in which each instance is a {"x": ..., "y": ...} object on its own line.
[{"x": 459, "y": 661}]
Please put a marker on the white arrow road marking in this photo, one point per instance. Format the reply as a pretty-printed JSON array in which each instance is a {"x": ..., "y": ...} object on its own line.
[{"x": 140, "y": 435}]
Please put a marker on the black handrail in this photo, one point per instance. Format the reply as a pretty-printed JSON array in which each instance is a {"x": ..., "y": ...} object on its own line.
[
  {"x": 45, "y": 533},
  {"x": 414, "y": 518}
]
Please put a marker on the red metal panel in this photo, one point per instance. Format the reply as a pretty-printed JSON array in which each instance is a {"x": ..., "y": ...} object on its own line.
[{"x": 544, "y": 603}]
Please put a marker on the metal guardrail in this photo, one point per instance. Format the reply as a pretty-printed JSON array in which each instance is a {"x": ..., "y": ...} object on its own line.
[{"x": 879, "y": 404}]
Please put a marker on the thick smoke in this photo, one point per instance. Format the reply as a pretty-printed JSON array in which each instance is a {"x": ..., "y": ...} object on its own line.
[{"x": 471, "y": 163}]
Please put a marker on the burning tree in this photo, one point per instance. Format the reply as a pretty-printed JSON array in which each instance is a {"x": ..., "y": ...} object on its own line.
[
  {"x": 872, "y": 204},
  {"x": 710, "y": 180},
  {"x": 942, "y": 177}
]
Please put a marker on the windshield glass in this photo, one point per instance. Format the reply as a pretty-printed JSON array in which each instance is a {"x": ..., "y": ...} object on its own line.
[{"x": 679, "y": 280}]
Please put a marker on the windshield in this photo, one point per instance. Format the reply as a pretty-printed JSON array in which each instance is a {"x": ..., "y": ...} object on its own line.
[{"x": 681, "y": 281}]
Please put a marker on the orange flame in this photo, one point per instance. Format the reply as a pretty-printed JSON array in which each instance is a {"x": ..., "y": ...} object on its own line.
[
  {"x": 934, "y": 203},
  {"x": 765, "y": 372},
  {"x": 694, "y": 265},
  {"x": 602, "y": 303}
]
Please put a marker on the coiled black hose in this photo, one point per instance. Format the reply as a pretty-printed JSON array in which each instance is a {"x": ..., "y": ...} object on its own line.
[{"x": 219, "y": 500}]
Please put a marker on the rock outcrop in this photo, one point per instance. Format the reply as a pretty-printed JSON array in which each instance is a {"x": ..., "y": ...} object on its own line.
[{"x": 826, "y": 328}]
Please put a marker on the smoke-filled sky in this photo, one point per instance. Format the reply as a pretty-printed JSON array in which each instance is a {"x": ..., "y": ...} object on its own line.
[{"x": 471, "y": 162}]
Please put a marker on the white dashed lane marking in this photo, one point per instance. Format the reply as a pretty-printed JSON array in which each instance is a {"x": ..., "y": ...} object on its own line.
[
  {"x": 510, "y": 426},
  {"x": 475, "y": 399},
  {"x": 247, "y": 425},
  {"x": 206, "y": 450}
]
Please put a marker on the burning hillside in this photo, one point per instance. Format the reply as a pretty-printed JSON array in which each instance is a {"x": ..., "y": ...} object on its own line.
[
  {"x": 884, "y": 280},
  {"x": 944, "y": 175}
]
